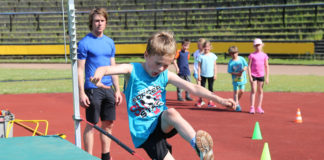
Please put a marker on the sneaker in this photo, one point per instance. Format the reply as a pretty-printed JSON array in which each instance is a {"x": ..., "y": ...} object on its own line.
[
  {"x": 211, "y": 104},
  {"x": 252, "y": 111},
  {"x": 189, "y": 99},
  {"x": 180, "y": 99},
  {"x": 204, "y": 145},
  {"x": 259, "y": 110},
  {"x": 200, "y": 103},
  {"x": 238, "y": 108}
]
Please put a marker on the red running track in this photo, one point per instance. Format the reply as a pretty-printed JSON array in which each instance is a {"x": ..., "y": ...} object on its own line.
[{"x": 231, "y": 131}]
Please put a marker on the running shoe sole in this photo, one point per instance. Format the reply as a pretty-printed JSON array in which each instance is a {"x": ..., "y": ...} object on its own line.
[{"x": 204, "y": 144}]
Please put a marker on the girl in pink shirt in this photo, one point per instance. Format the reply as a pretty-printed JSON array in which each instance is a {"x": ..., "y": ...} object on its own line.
[{"x": 258, "y": 73}]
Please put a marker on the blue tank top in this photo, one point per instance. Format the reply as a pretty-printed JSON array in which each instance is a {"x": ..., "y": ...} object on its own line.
[
  {"x": 145, "y": 98},
  {"x": 183, "y": 63}
]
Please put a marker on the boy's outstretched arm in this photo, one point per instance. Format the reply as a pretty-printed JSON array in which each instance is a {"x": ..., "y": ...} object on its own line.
[
  {"x": 110, "y": 70},
  {"x": 199, "y": 91}
]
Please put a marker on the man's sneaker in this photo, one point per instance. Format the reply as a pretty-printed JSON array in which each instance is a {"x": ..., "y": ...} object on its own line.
[
  {"x": 189, "y": 99},
  {"x": 259, "y": 110},
  {"x": 200, "y": 103},
  {"x": 238, "y": 108},
  {"x": 204, "y": 144},
  {"x": 211, "y": 104},
  {"x": 180, "y": 99},
  {"x": 252, "y": 110}
]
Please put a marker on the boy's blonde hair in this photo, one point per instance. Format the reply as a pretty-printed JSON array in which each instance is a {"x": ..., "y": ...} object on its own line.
[
  {"x": 201, "y": 41},
  {"x": 207, "y": 42},
  {"x": 233, "y": 49},
  {"x": 161, "y": 44},
  {"x": 100, "y": 11}
]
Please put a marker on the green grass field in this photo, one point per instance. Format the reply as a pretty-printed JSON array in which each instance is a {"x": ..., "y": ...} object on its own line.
[{"x": 16, "y": 81}]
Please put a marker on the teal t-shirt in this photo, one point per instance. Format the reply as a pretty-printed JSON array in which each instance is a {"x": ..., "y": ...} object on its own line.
[
  {"x": 237, "y": 66},
  {"x": 145, "y": 98},
  {"x": 207, "y": 64}
]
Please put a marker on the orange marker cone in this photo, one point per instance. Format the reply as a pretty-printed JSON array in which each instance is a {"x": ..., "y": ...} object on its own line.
[{"x": 298, "y": 117}]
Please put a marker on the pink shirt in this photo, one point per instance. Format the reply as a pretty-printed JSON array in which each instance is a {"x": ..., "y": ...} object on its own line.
[{"x": 258, "y": 60}]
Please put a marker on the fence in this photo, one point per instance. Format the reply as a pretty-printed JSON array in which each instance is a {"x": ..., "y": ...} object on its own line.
[
  {"x": 155, "y": 11},
  {"x": 126, "y": 20}
]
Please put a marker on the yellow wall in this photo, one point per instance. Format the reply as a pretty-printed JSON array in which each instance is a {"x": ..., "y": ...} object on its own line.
[
  {"x": 218, "y": 47},
  {"x": 33, "y": 49},
  {"x": 130, "y": 48}
]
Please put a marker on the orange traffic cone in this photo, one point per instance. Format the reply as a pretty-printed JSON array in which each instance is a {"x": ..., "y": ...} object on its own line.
[{"x": 298, "y": 117}]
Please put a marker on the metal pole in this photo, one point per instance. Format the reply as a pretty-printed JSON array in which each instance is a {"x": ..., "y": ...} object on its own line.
[
  {"x": 186, "y": 20},
  {"x": 217, "y": 19},
  {"x": 250, "y": 17},
  {"x": 37, "y": 20},
  {"x": 73, "y": 54},
  {"x": 132, "y": 152},
  {"x": 284, "y": 16},
  {"x": 315, "y": 19},
  {"x": 126, "y": 26},
  {"x": 64, "y": 32},
  {"x": 10, "y": 22}
]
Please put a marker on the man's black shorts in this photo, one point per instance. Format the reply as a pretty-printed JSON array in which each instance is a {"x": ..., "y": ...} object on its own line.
[
  {"x": 156, "y": 145},
  {"x": 102, "y": 104}
]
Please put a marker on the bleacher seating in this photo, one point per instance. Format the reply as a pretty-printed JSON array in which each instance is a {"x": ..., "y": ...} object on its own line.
[{"x": 298, "y": 23}]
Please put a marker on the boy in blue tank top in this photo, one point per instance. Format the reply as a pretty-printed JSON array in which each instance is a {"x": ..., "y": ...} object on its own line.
[{"x": 151, "y": 122}]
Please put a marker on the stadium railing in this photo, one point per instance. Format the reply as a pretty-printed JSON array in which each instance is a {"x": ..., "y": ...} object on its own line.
[{"x": 290, "y": 47}]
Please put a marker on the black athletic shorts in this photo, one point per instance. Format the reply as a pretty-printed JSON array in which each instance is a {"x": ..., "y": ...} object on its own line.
[
  {"x": 261, "y": 79},
  {"x": 102, "y": 104},
  {"x": 156, "y": 145}
]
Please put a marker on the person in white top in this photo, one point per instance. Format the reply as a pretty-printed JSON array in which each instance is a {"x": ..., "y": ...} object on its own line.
[{"x": 196, "y": 55}]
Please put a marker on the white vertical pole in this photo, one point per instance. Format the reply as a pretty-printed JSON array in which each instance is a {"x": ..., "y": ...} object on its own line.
[{"x": 73, "y": 54}]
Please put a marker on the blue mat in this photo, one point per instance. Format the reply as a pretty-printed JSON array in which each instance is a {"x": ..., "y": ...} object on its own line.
[{"x": 41, "y": 148}]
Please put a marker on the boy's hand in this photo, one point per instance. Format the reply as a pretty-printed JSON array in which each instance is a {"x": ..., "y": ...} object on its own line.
[
  {"x": 96, "y": 79},
  {"x": 98, "y": 83},
  {"x": 229, "y": 103}
]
